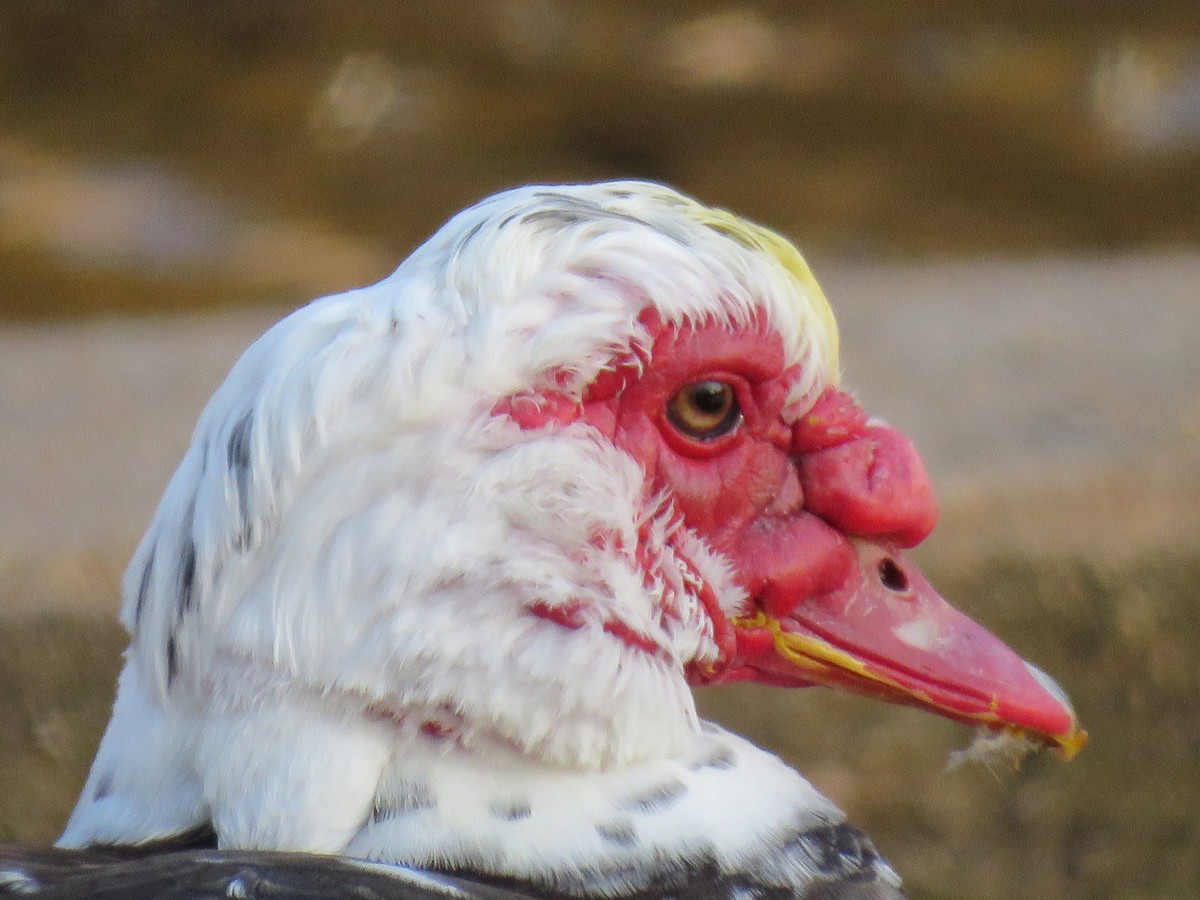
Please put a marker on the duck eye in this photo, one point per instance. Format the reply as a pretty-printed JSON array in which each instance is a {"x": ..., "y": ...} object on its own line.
[{"x": 705, "y": 410}]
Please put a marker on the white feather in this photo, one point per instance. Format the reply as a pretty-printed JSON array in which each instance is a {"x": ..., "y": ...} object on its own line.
[{"x": 350, "y": 545}]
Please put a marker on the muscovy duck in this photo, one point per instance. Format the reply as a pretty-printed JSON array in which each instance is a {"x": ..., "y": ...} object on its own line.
[{"x": 433, "y": 583}]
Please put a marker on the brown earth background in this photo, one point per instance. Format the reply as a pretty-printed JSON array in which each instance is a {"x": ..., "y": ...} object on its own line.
[{"x": 1001, "y": 200}]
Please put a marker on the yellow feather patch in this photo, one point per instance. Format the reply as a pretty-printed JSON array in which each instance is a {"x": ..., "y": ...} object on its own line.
[{"x": 816, "y": 314}]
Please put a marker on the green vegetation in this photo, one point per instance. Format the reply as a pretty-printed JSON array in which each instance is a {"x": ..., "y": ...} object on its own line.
[{"x": 1117, "y": 822}]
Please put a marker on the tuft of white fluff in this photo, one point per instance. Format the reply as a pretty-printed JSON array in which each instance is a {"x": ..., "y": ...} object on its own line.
[{"x": 990, "y": 749}]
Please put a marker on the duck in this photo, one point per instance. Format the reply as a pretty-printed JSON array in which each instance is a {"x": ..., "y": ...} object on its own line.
[{"x": 422, "y": 609}]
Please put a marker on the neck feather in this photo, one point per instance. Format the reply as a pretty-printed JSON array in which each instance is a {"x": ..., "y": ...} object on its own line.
[{"x": 723, "y": 802}]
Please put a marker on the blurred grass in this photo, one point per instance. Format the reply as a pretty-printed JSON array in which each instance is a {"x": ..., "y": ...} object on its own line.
[
  {"x": 1117, "y": 822},
  {"x": 57, "y": 681},
  {"x": 865, "y": 128},
  {"x": 35, "y": 287}
]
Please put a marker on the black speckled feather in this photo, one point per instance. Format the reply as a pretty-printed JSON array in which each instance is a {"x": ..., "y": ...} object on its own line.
[{"x": 204, "y": 873}]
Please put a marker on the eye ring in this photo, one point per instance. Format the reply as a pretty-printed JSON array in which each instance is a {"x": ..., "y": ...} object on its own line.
[{"x": 705, "y": 410}]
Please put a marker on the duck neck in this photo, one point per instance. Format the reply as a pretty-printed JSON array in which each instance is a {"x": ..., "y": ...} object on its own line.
[{"x": 721, "y": 808}]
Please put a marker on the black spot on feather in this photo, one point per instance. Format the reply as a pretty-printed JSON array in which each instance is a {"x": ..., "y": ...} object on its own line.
[
  {"x": 470, "y": 236},
  {"x": 103, "y": 787},
  {"x": 404, "y": 796},
  {"x": 657, "y": 797},
  {"x": 172, "y": 662},
  {"x": 510, "y": 810},
  {"x": 557, "y": 217},
  {"x": 568, "y": 210},
  {"x": 742, "y": 239},
  {"x": 238, "y": 457},
  {"x": 238, "y": 448},
  {"x": 714, "y": 756},
  {"x": 187, "y": 575},
  {"x": 144, "y": 587},
  {"x": 620, "y": 832},
  {"x": 568, "y": 201}
]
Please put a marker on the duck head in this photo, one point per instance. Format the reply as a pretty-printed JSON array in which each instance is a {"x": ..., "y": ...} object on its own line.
[{"x": 584, "y": 450}]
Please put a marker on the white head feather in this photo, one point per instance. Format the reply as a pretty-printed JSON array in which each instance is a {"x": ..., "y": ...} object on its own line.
[
  {"x": 347, "y": 555},
  {"x": 349, "y": 513}
]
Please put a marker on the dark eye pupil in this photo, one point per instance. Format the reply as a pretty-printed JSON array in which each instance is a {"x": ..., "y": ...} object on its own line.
[
  {"x": 710, "y": 397},
  {"x": 705, "y": 410}
]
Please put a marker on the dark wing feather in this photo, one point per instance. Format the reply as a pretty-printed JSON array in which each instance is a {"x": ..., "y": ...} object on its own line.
[
  {"x": 210, "y": 874},
  {"x": 834, "y": 862}
]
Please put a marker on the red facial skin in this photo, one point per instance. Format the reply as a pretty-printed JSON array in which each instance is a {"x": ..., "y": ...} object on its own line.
[
  {"x": 811, "y": 514},
  {"x": 785, "y": 519}
]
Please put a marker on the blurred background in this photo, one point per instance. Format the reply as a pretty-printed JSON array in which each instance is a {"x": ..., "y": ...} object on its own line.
[{"x": 1002, "y": 201}]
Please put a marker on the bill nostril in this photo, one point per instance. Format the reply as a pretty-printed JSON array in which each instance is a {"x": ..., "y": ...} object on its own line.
[{"x": 892, "y": 576}]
